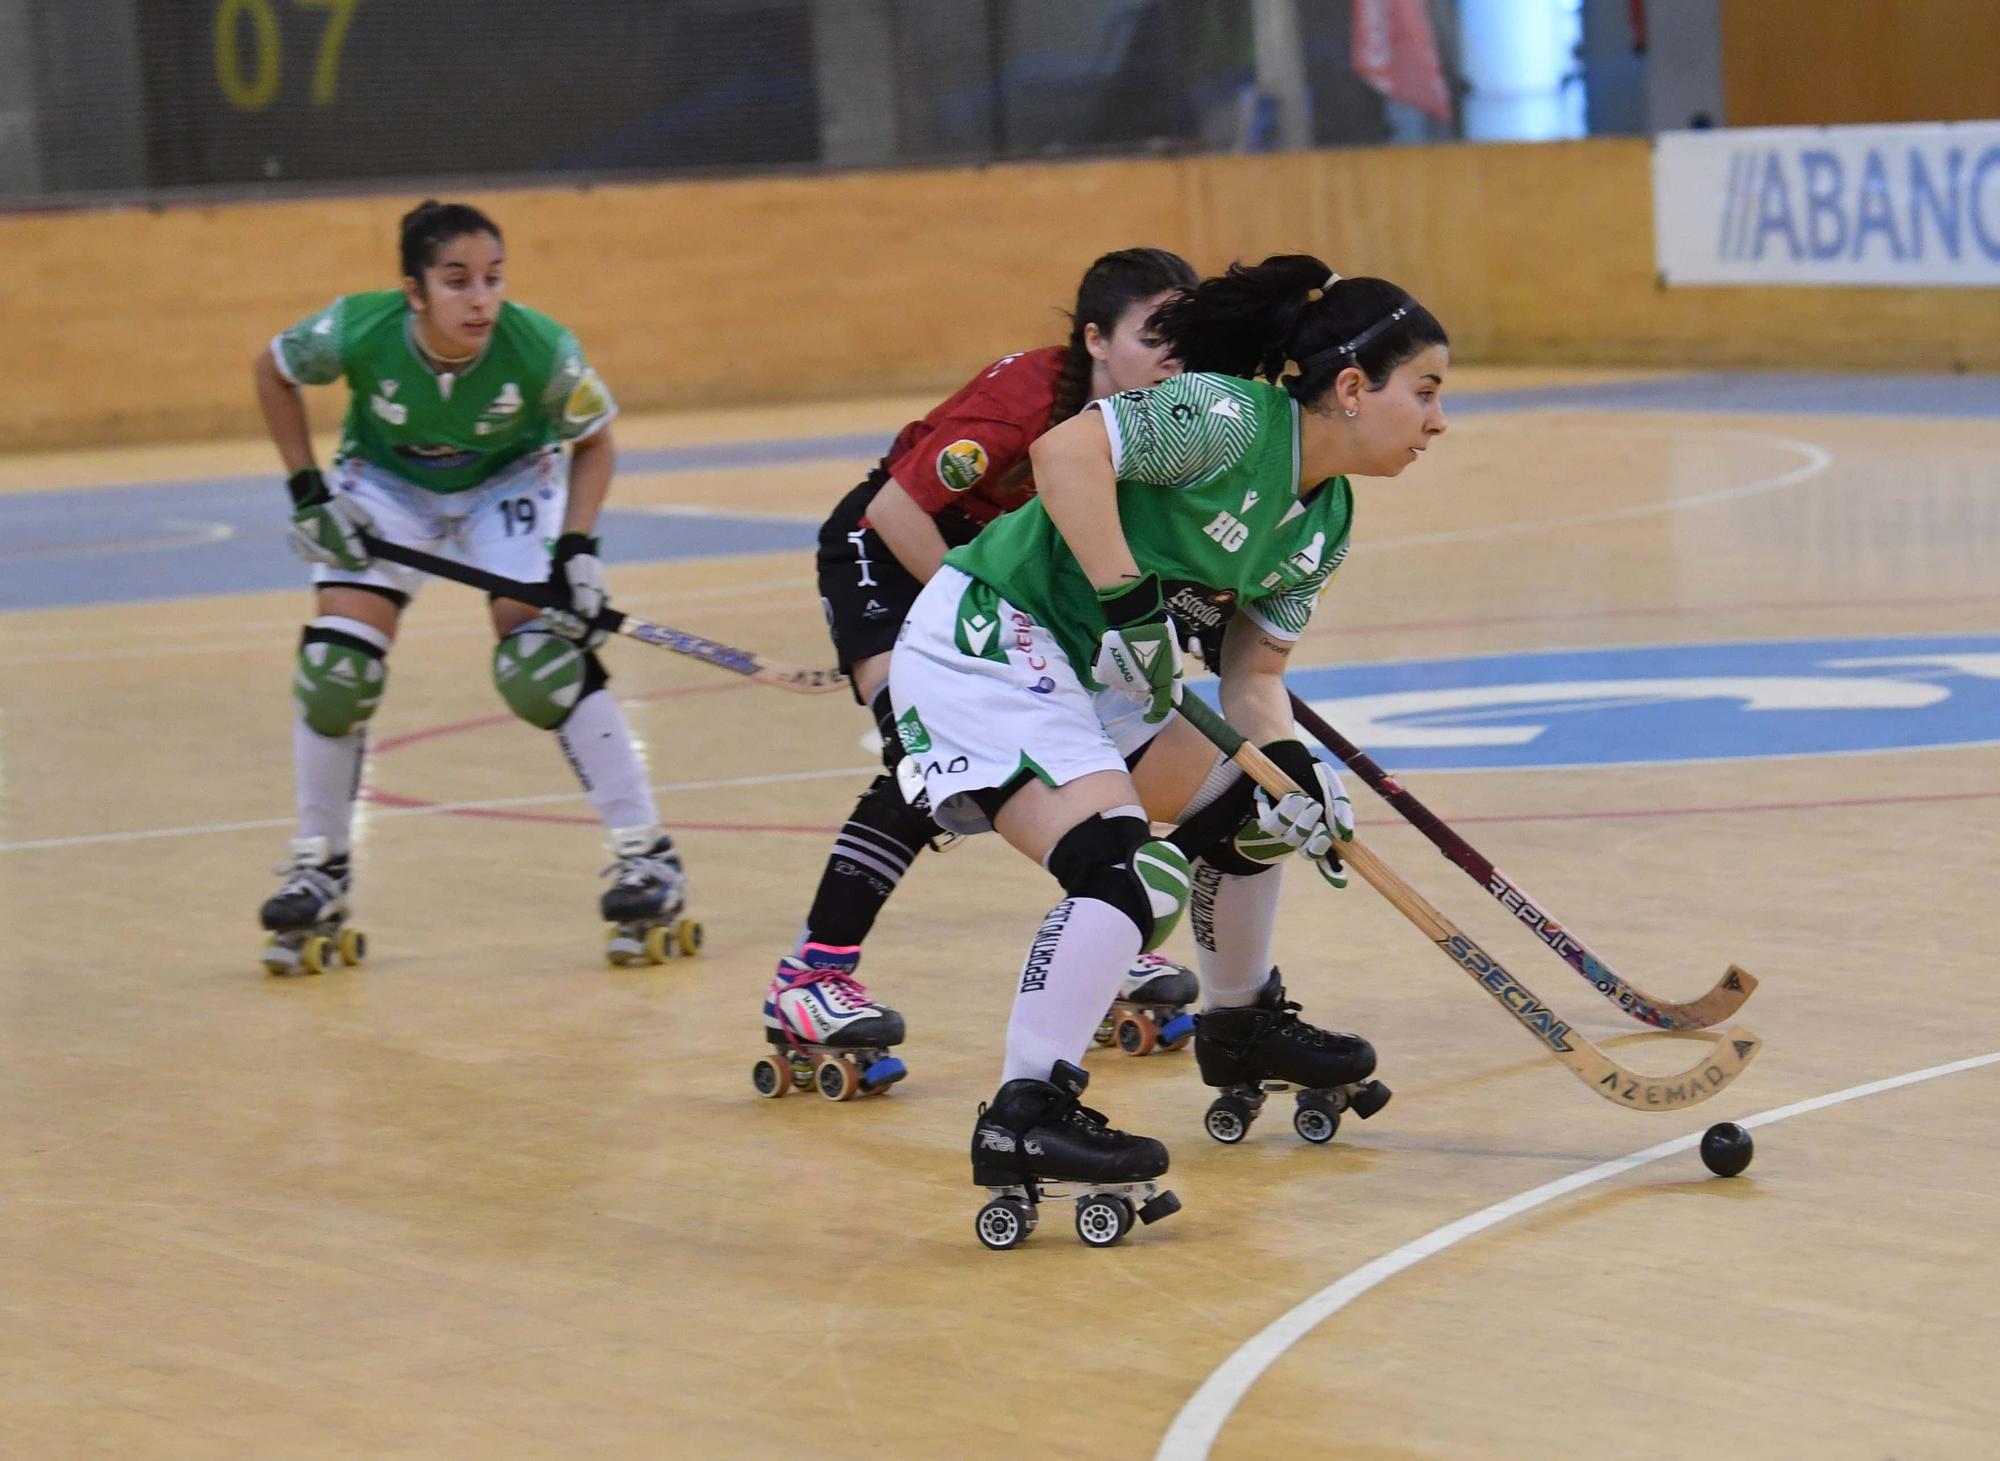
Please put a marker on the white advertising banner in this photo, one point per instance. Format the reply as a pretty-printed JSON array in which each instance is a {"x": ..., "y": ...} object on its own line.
[{"x": 1912, "y": 206}]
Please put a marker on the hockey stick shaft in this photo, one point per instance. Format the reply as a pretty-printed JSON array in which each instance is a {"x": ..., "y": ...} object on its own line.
[
  {"x": 797, "y": 679},
  {"x": 1616, "y": 1083},
  {"x": 1713, "y": 1008}
]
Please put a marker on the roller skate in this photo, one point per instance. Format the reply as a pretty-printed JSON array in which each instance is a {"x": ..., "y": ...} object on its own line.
[
  {"x": 306, "y": 919},
  {"x": 1265, "y": 1047},
  {"x": 826, "y": 1034},
  {"x": 645, "y": 901},
  {"x": 1033, "y": 1135},
  {"x": 1150, "y": 1012}
]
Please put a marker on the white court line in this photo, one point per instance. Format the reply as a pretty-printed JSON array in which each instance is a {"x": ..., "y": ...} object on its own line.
[
  {"x": 372, "y": 813},
  {"x": 177, "y": 532},
  {"x": 1818, "y": 459},
  {"x": 731, "y": 597},
  {"x": 1194, "y": 1430}
]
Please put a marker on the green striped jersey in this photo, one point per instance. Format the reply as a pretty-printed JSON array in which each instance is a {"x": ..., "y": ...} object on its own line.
[{"x": 1208, "y": 494}]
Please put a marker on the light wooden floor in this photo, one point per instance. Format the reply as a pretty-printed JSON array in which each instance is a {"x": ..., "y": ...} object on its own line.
[{"x": 487, "y": 1198}]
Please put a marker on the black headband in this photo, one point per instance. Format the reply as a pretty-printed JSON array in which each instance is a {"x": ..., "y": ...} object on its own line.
[{"x": 1353, "y": 347}]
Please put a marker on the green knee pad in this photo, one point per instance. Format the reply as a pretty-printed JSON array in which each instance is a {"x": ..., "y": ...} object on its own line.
[
  {"x": 542, "y": 676},
  {"x": 1163, "y": 871},
  {"x": 338, "y": 681}
]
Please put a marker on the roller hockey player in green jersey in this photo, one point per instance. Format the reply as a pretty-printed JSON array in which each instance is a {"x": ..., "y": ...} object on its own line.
[
  {"x": 461, "y": 403},
  {"x": 1045, "y": 651}
]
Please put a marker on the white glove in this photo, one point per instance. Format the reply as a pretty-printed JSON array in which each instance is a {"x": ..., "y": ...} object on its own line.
[
  {"x": 1139, "y": 654},
  {"x": 575, "y": 571},
  {"x": 1309, "y": 823},
  {"x": 326, "y": 526}
]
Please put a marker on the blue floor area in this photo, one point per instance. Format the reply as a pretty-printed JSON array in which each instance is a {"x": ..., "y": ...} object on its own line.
[{"x": 224, "y": 535}]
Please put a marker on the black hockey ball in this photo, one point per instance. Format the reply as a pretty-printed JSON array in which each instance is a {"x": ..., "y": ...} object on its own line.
[{"x": 1726, "y": 1148}]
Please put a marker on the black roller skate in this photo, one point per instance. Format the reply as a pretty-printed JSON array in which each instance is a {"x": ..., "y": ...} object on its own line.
[
  {"x": 1266, "y": 1047},
  {"x": 306, "y": 919},
  {"x": 1034, "y": 1134},
  {"x": 825, "y": 1032},
  {"x": 1150, "y": 1012},
  {"x": 645, "y": 901}
]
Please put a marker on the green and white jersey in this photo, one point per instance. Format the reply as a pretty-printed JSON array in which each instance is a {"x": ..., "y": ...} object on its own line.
[
  {"x": 1208, "y": 494},
  {"x": 445, "y": 432}
]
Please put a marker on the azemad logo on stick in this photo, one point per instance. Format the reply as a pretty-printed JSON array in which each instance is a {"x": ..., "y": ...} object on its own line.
[{"x": 1682, "y": 702}]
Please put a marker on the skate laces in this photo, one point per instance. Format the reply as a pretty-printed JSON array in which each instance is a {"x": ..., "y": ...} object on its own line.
[
  {"x": 843, "y": 991},
  {"x": 307, "y": 877},
  {"x": 1293, "y": 1028},
  {"x": 643, "y": 868}
]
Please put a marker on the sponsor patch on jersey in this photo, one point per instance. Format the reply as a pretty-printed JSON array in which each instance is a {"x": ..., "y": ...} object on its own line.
[
  {"x": 439, "y": 458},
  {"x": 910, "y": 731},
  {"x": 962, "y": 464},
  {"x": 587, "y": 401}
]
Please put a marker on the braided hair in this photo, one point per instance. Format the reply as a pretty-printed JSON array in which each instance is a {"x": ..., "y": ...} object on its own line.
[
  {"x": 1293, "y": 321},
  {"x": 1112, "y": 285}
]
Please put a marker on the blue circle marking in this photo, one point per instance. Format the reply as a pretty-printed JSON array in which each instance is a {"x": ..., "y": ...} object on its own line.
[{"x": 1677, "y": 702}]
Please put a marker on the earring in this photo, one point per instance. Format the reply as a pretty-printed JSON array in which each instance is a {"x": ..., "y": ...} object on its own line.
[{"x": 1352, "y": 412}]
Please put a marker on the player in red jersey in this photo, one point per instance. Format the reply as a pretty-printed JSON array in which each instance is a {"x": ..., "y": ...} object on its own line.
[{"x": 943, "y": 479}]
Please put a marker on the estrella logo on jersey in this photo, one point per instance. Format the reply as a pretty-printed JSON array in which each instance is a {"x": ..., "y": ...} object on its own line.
[
  {"x": 390, "y": 411},
  {"x": 962, "y": 464},
  {"x": 587, "y": 401}
]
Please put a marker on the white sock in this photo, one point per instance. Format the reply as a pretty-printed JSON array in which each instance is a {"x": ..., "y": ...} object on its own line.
[
  {"x": 1067, "y": 983},
  {"x": 600, "y": 749},
  {"x": 1234, "y": 918},
  {"x": 326, "y": 777}
]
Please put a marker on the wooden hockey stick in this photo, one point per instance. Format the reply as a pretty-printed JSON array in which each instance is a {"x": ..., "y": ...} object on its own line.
[
  {"x": 1713, "y": 1008},
  {"x": 795, "y": 678},
  {"x": 1736, "y": 1048}
]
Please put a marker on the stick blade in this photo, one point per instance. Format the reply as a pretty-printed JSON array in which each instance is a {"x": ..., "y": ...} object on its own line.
[
  {"x": 799, "y": 681},
  {"x": 1716, "y": 1007},
  {"x": 1728, "y": 1058}
]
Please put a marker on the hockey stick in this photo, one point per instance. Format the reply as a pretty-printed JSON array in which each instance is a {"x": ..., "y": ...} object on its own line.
[
  {"x": 1614, "y": 1082},
  {"x": 795, "y": 678},
  {"x": 1713, "y": 1008}
]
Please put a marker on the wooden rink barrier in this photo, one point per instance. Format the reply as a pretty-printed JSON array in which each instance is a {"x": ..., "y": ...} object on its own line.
[{"x": 131, "y": 324}]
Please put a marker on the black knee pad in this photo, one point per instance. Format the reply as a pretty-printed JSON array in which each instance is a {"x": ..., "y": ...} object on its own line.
[
  {"x": 1117, "y": 860},
  {"x": 1093, "y": 860},
  {"x": 885, "y": 807}
]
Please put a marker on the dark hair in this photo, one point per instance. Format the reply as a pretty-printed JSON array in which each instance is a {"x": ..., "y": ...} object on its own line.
[
  {"x": 1254, "y": 320},
  {"x": 431, "y": 225},
  {"x": 1110, "y": 286}
]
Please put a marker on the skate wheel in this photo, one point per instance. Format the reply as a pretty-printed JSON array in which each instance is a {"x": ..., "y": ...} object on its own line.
[
  {"x": 279, "y": 958},
  {"x": 353, "y": 946},
  {"x": 1176, "y": 1032},
  {"x": 318, "y": 954},
  {"x": 1103, "y": 1034},
  {"x": 1366, "y": 1100},
  {"x": 883, "y": 1073},
  {"x": 1228, "y": 1120},
  {"x": 1137, "y": 1034},
  {"x": 1314, "y": 1121},
  {"x": 837, "y": 1079},
  {"x": 772, "y": 1076},
  {"x": 622, "y": 951},
  {"x": 1102, "y": 1219},
  {"x": 1003, "y": 1223},
  {"x": 659, "y": 944},
  {"x": 687, "y": 936},
  {"x": 1160, "y": 1205}
]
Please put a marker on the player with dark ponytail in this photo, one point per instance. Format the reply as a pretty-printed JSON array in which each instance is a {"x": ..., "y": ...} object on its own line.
[
  {"x": 1226, "y": 483},
  {"x": 944, "y": 479},
  {"x": 461, "y": 403}
]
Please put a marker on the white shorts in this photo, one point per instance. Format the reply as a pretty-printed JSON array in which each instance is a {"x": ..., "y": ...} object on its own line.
[
  {"x": 983, "y": 693},
  {"x": 506, "y": 526}
]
